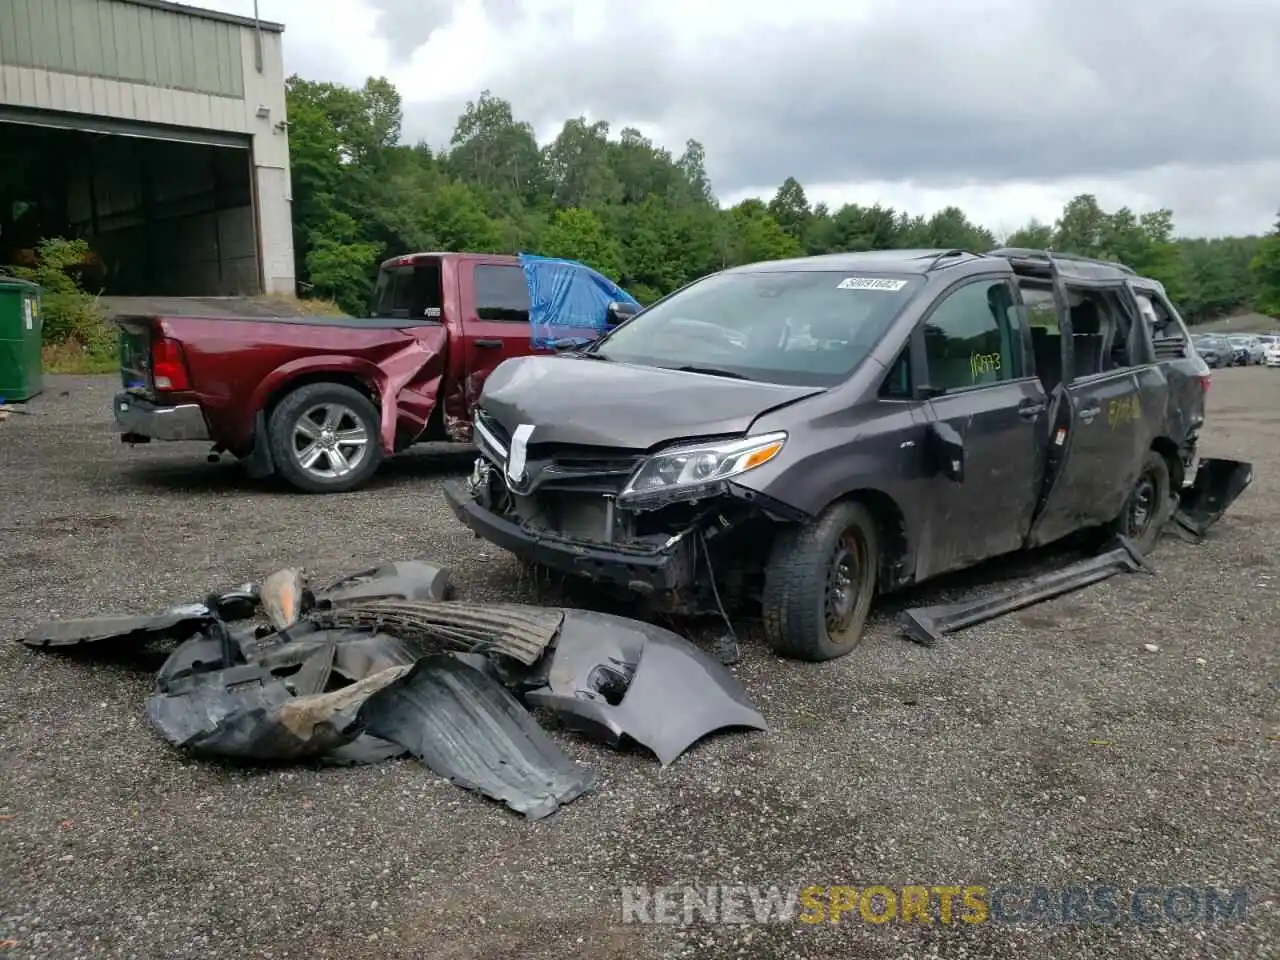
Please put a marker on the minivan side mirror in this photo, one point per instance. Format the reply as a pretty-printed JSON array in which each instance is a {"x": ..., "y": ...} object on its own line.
[
  {"x": 946, "y": 450},
  {"x": 619, "y": 311}
]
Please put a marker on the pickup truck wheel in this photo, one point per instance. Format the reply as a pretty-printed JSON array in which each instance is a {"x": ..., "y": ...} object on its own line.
[
  {"x": 819, "y": 584},
  {"x": 1149, "y": 506},
  {"x": 324, "y": 438}
]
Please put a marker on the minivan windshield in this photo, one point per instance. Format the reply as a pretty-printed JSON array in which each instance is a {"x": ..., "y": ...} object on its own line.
[{"x": 806, "y": 328}]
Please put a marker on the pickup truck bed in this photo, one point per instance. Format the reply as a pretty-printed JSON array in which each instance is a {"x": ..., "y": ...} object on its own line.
[{"x": 322, "y": 400}]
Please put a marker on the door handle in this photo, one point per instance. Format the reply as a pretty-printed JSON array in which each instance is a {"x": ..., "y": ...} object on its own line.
[
  {"x": 1030, "y": 409},
  {"x": 1088, "y": 413},
  {"x": 488, "y": 344}
]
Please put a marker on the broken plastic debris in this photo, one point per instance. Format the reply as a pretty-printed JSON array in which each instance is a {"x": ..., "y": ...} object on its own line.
[
  {"x": 178, "y": 623},
  {"x": 282, "y": 597},
  {"x": 614, "y": 678},
  {"x": 465, "y": 726},
  {"x": 402, "y": 580},
  {"x": 345, "y": 679}
]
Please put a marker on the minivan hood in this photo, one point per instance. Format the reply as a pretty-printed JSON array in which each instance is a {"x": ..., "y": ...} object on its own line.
[{"x": 606, "y": 403}]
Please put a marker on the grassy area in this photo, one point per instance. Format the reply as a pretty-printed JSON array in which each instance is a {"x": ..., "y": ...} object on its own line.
[
  {"x": 306, "y": 308},
  {"x": 70, "y": 357}
]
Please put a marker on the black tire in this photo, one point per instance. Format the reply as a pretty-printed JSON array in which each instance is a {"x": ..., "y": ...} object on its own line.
[
  {"x": 801, "y": 596},
  {"x": 1149, "y": 505},
  {"x": 286, "y": 422}
]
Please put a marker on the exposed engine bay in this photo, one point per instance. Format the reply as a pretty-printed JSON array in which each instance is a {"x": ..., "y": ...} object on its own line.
[{"x": 692, "y": 549}]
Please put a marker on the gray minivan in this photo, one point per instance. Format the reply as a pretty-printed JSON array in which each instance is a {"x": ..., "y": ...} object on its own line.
[{"x": 805, "y": 434}]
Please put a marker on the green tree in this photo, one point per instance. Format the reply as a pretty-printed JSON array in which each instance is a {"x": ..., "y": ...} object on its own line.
[
  {"x": 751, "y": 235},
  {"x": 790, "y": 208},
  {"x": 1034, "y": 236},
  {"x": 579, "y": 235},
  {"x": 1265, "y": 267},
  {"x": 649, "y": 219},
  {"x": 491, "y": 149}
]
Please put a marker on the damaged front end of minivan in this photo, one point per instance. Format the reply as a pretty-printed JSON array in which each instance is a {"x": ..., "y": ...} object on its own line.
[{"x": 669, "y": 525}]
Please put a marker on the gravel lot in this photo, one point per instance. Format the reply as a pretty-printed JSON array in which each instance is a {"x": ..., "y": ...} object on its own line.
[{"x": 1047, "y": 747}]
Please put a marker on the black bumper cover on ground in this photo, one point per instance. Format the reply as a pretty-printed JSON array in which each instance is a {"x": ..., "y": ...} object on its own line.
[
  {"x": 1218, "y": 482},
  {"x": 644, "y": 572}
]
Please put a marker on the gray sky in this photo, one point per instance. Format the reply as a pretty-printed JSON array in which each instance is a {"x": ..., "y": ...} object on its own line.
[{"x": 1006, "y": 108}]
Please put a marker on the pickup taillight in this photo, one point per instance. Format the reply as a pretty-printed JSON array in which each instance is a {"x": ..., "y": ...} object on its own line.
[{"x": 168, "y": 366}]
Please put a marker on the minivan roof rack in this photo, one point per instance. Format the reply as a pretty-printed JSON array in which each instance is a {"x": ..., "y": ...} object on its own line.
[
  {"x": 936, "y": 262},
  {"x": 1030, "y": 253}
]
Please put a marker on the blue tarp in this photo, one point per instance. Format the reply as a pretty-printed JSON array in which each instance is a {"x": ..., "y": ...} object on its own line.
[{"x": 568, "y": 301}]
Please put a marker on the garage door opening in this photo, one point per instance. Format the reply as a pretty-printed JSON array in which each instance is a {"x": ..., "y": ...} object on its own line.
[{"x": 163, "y": 218}]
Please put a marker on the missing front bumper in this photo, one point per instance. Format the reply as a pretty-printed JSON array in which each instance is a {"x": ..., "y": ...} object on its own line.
[{"x": 662, "y": 571}]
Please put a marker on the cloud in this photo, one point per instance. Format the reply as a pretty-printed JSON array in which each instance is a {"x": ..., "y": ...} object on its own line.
[{"x": 1002, "y": 106}]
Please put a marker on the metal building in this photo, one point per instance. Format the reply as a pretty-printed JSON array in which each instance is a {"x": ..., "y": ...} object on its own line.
[{"x": 155, "y": 131}]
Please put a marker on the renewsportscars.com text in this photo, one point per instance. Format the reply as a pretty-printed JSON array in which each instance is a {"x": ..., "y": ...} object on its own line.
[{"x": 934, "y": 904}]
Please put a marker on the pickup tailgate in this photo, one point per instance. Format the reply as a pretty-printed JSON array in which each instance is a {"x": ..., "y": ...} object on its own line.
[{"x": 135, "y": 354}]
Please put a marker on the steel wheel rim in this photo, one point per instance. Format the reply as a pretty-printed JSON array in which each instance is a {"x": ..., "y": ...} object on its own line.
[
  {"x": 329, "y": 441},
  {"x": 844, "y": 584},
  {"x": 1142, "y": 505}
]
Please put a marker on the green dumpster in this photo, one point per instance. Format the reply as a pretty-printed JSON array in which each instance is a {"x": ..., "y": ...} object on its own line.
[{"x": 21, "y": 372}]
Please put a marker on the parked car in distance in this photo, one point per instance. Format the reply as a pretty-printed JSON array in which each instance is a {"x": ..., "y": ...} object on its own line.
[
  {"x": 1271, "y": 351},
  {"x": 321, "y": 401},
  {"x": 805, "y": 434},
  {"x": 1214, "y": 350},
  {"x": 1247, "y": 346}
]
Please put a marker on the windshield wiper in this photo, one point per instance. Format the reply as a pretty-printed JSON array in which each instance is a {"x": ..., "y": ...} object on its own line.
[{"x": 710, "y": 371}]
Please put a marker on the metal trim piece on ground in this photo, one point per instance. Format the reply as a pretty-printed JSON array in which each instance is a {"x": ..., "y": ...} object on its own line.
[
  {"x": 112, "y": 126},
  {"x": 926, "y": 625}
]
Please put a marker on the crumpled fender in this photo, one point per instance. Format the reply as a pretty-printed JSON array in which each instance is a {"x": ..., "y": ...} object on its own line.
[
  {"x": 394, "y": 374},
  {"x": 612, "y": 677}
]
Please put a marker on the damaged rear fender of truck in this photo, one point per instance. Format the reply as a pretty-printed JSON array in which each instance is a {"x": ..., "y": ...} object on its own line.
[{"x": 405, "y": 384}]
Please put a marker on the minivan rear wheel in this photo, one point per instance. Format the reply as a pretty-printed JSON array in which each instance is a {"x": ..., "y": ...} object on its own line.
[{"x": 819, "y": 583}]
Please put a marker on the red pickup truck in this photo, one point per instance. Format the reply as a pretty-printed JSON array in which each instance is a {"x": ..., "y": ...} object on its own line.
[{"x": 321, "y": 401}]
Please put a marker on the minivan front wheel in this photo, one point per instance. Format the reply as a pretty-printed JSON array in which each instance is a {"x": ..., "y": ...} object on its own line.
[{"x": 819, "y": 583}]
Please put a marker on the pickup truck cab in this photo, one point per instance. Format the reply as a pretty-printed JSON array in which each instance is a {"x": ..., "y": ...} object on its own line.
[
  {"x": 807, "y": 433},
  {"x": 321, "y": 401}
]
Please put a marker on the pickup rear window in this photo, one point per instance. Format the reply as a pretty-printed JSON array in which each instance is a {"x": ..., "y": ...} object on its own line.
[{"x": 408, "y": 291}]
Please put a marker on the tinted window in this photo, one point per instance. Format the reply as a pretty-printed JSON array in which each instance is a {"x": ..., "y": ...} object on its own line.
[
  {"x": 969, "y": 339},
  {"x": 411, "y": 291},
  {"x": 501, "y": 293},
  {"x": 799, "y": 327}
]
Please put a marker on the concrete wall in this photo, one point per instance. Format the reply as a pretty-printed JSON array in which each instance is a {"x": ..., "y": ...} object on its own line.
[{"x": 162, "y": 101}]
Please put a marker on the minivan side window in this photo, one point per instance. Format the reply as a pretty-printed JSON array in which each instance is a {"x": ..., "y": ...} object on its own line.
[
  {"x": 501, "y": 293},
  {"x": 970, "y": 340}
]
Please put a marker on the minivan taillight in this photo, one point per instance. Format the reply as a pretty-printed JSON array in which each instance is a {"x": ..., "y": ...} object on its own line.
[{"x": 168, "y": 366}]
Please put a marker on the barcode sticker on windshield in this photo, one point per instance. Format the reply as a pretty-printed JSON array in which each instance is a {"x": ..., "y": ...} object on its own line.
[{"x": 870, "y": 283}]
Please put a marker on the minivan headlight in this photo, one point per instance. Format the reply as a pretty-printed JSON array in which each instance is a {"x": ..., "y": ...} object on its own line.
[{"x": 687, "y": 468}]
